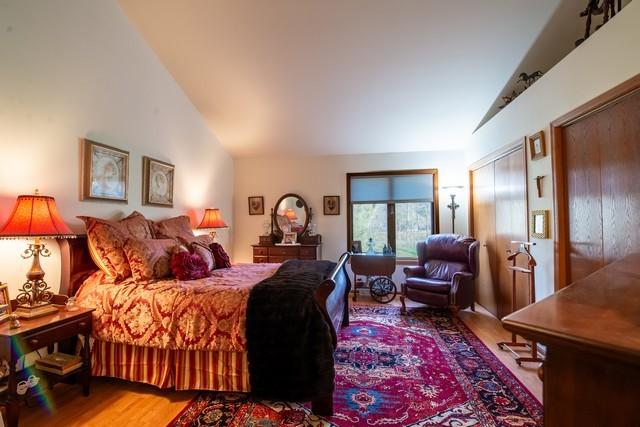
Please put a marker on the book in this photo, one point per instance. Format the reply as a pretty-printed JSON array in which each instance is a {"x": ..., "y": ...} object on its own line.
[
  {"x": 58, "y": 370},
  {"x": 60, "y": 361}
]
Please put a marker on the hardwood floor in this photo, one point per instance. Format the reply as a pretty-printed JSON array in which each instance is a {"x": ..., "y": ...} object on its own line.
[{"x": 120, "y": 403}]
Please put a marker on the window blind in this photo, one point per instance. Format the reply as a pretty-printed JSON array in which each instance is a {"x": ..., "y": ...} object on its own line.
[{"x": 392, "y": 188}]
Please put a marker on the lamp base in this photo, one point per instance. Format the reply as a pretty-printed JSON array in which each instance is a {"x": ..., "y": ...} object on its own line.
[{"x": 29, "y": 312}]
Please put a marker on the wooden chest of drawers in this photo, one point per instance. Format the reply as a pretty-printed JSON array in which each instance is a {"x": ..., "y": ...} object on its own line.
[{"x": 273, "y": 253}]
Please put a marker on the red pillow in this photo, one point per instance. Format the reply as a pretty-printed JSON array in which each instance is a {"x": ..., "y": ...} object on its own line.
[
  {"x": 220, "y": 256},
  {"x": 188, "y": 266}
]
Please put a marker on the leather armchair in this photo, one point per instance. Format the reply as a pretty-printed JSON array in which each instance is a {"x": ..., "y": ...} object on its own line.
[{"x": 445, "y": 275}]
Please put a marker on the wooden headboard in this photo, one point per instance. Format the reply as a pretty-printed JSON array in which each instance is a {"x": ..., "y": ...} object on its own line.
[{"x": 77, "y": 264}]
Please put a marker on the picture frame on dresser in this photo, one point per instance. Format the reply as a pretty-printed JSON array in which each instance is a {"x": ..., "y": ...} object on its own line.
[
  {"x": 5, "y": 303},
  {"x": 104, "y": 172},
  {"x": 157, "y": 182}
]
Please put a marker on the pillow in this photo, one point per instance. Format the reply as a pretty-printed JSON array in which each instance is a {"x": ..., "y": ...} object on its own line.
[
  {"x": 201, "y": 246},
  {"x": 220, "y": 256},
  {"x": 106, "y": 239},
  {"x": 149, "y": 258},
  {"x": 187, "y": 265},
  {"x": 178, "y": 227}
]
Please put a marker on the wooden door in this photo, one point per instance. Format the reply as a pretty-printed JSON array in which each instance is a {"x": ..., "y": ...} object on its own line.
[
  {"x": 511, "y": 224},
  {"x": 484, "y": 231},
  {"x": 602, "y": 161}
]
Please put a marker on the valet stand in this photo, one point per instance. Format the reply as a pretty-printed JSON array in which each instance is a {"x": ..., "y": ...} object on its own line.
[{"x": 522, "y": 252}]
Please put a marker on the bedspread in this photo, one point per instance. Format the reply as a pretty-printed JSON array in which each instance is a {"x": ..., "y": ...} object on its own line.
[{"x": 203, "y": 314}]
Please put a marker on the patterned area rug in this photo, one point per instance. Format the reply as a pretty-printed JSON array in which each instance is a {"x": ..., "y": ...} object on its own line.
[{"x": 425, "y": 369}]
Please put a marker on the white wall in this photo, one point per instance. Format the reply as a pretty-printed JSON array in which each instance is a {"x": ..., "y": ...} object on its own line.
[
  {"x": 314, "y": 177},
  {"x": 71, "y": 69},
  {"x": 606, "y": 59}
]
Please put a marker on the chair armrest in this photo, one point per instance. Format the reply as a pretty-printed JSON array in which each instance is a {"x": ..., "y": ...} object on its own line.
[
  {"x": 459, "y": 279},
  {"x": 414, "y": 271}
]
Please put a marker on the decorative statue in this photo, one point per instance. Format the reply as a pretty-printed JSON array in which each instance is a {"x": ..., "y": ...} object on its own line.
[{"x": 594, "y": 8}]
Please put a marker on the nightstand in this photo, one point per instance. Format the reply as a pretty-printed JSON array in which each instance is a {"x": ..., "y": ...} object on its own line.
[{"x": 35, "y": 334}]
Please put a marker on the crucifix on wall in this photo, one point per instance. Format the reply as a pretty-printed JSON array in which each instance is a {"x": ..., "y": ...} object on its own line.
[{"x": 538, "y": 180}]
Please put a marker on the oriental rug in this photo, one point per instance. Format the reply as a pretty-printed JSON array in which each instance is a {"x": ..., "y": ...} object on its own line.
[{"x": 423, "y": 369}]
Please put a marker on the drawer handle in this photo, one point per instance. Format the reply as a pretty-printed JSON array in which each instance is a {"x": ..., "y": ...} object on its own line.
[
  {"x": 82, "y": 324},
  {"x": 33, "y": 341}
]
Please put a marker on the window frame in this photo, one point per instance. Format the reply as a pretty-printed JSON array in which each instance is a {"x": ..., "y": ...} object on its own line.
[{"x": 391, "y": 230}]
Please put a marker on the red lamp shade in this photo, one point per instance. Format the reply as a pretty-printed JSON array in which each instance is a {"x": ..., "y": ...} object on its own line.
[
  {"x": 212, "y": 219},
  {"x": 35, "y": 216},
  {"x": 291, "y": 214}
]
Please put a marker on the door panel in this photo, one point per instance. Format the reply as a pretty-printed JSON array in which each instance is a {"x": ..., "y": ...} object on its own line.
[
  {"x": 584, "y": 198},
  {"x": 621, "y": 179},
  {"x": 511, "y": 224},
  {"x": 484, "y": 231}
]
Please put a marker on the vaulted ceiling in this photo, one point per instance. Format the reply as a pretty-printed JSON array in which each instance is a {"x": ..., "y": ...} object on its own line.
[{"x": 341, "y": 76}]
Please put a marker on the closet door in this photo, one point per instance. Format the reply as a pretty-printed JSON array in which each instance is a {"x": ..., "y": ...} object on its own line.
[
  {"x": 484, "y": 231},
  {"x": 602, "y": 158},
  {"x": 511, "y": 224}
]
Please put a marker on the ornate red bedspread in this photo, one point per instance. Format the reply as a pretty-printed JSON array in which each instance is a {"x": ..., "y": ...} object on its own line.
[{"x": 204, "y": 314}]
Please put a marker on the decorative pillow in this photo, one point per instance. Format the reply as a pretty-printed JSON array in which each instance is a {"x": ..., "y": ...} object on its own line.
[
  {"x": 220, "y": 256},
  {"x": 106, "y": 239},
  {"x": 149, "y": 258},
  {"x": 201, "y": 246},
  {"x": 187, "y": 265},
  {"x": 178, "y": 227}
]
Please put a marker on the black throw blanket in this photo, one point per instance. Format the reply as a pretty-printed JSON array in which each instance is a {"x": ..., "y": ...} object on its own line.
[{"x": 289, "y": 342}]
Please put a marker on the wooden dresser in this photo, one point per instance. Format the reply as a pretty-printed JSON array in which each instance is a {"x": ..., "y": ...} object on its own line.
[
  {"x": 274, "y": 253},
  {"x": 591, "y": 329}
]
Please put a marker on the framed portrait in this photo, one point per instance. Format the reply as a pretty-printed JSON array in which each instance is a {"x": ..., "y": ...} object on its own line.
[
  {"x": 537, "y": 147},
  {"x": 157, "y": 182},
  {"x": 331, "y": 205},
  {"x": 540, "y": 224},
  {"x": 356, "y": 247},
  {"x": 5, "y": 302},
  {"x": 256, "y": 205},
  {"x": 105, "y": 172},
  {"x": 289, "y": 238}
]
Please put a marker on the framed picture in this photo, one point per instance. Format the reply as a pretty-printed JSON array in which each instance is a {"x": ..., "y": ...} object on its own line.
[
  {"x": 157, "y": 182},
  {"x": 5, "y": 302},
  {"x": 331, "y": 205},
  {"x": 537, "y": 147},
  {"x": 356, "y": 247},
  {"x": 256, "y": 205},
  {"x": 540, "y": 224},
  {"x": 105, "y": 172},
  {"x": 289, "y": 238}
]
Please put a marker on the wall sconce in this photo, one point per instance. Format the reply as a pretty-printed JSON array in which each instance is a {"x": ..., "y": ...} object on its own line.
[{"x": 453, "y": 192}]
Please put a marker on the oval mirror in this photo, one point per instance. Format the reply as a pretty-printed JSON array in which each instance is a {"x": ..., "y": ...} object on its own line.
[{"x": 291, "y": 214}]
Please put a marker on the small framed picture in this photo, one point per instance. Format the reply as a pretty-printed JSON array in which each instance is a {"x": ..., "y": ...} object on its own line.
[
  {"x": 331, "y": 205},
  {"x": 5, "y": 302},
  {"x": 540, "y": 224},
  {"x": 537, "y": 146},
  {"x": 157, "y": 182},
  {"x": 289, "y": 238},
  {"x": 356, "y": 247},
  {"x": 105, "y": 172},
  {"x": 256, "y": 205}
]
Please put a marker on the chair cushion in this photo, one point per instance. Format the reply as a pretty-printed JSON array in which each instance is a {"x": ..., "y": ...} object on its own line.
[
  {"x": 443, "y": 270},
  {"x": 431, "y": 285}
]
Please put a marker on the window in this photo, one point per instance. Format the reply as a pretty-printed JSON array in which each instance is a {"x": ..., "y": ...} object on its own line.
[{"x": 395, "y": 208}]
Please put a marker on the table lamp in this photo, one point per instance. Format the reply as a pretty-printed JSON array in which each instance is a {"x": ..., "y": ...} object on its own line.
[
  {"x": 35, "y": 216},
  {"x": 212, "y": 220}
]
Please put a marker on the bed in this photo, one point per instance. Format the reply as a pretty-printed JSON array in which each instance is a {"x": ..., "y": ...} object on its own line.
[{"x": 146, "y": 332}]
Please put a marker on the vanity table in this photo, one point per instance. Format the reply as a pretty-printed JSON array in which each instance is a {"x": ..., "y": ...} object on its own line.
[{"x": 291, "y": 214}]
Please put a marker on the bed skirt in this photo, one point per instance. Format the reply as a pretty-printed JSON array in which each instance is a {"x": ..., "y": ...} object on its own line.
[{"x": 182, "y": 369}]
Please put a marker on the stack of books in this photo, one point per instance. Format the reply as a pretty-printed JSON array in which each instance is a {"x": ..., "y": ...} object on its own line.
[{"x": 59, "y": 363}]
